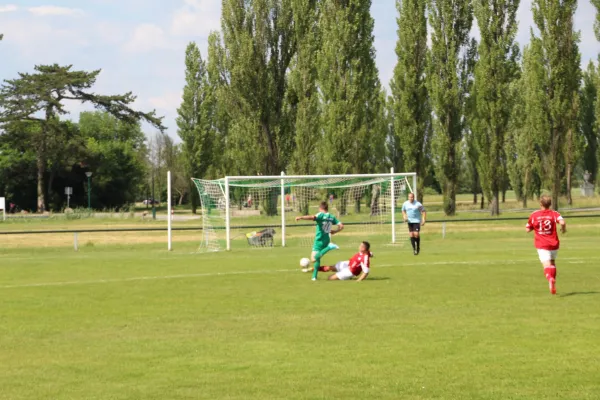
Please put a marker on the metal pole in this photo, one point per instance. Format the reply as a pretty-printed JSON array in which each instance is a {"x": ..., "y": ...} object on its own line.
[
  {"x": 227, "y": 219},
  {"x": 393, "y": 200},
  {"x": 170, "y": 246},
  {"x": 282, "y": 209},
  {"x": 153, "y": 198},
  {"x": 443, "y": 230}
]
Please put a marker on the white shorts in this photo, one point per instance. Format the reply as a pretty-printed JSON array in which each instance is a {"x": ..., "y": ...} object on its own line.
[
  {"x": 547, "y": 255},
  {"x": 343, "y": 271}
]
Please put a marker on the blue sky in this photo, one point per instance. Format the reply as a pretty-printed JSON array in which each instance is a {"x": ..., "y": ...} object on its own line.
[{"x": 139, "y": 44}]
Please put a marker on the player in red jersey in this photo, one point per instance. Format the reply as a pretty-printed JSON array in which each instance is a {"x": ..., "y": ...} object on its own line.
[
  {"x": 358, "y": 266},
  {"x": 544, "y": 223}
]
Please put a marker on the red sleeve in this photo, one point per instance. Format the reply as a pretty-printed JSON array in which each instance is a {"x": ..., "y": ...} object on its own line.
[{"x": 529, "y": 222}]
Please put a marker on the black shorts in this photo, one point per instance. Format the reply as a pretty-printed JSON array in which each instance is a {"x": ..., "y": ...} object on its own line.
[{"x": 414, "y": 227}]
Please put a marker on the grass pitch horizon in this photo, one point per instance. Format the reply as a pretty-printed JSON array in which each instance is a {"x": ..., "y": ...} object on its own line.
[{"x": 470, "y": 318}]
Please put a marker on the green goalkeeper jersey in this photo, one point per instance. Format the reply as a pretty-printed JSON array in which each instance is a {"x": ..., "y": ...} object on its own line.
[{"x": 324, "y": 223}]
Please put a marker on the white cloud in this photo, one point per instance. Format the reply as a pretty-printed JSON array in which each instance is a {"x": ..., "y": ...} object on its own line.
[
  {"x": 146, "y": 37},
  {"x": 169, "y": 101},
  {"x": 8, "y": 8},
  {"x": 42, "y": 42},
  {"x": 196, "y": 18},
  {"x": 55, "y": 10}
]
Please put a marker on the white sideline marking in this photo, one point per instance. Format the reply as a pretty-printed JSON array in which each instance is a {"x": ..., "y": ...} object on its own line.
[{"x": 277, "y": 271}]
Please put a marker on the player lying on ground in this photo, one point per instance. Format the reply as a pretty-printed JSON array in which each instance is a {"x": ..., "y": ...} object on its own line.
[
  {"x": 544, "y": 223},
  {"x": 359, "y": 266},
  {"x": 414, "y": 213},
  {"x": 322, "y": 245}
]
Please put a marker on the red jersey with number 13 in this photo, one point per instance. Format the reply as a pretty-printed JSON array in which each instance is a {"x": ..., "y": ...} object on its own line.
[{"x": 545, "y": 223}]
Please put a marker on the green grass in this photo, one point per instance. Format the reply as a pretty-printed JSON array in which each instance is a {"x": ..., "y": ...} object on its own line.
[{"x": 471, "y": 318}]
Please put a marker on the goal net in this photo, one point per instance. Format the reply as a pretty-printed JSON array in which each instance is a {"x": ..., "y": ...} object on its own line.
[{"x": 259, "y": 211}]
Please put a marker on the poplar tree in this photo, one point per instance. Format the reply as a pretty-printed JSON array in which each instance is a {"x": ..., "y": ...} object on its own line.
[
  {"x": 588, "y": 120},
  {"x": 349, "y": 87},
  {"x": 558, "y": 56},
  {"x": 450, "y": 22},
  {"x": 494, "y": 71},
  {"x": 258, "y": 46},
  {"x": 303, "y": 82},
  {"x": 412, "y": 112},
  {"x": 193, "y": 120},
  {"x": 596, "y": 3}
]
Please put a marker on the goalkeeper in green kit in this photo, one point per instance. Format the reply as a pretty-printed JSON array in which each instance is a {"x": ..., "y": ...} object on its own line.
[{"x": 323, "y": 245}]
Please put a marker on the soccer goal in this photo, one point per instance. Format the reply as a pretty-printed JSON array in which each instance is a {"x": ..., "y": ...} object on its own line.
[{"x": 258, "y": 212}]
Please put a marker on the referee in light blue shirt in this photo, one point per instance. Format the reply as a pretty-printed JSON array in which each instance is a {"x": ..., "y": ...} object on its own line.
[{"x": 414, "y": 213}]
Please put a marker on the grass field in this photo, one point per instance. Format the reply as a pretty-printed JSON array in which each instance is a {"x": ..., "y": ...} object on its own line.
[{"x": 470, "y": 318}]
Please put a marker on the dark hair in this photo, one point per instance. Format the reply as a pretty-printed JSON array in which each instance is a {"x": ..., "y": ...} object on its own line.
[
  {"x": 367, "y": 245},
  {"x": 546, "y": 201},
  {"x": 324, "y": 206}
]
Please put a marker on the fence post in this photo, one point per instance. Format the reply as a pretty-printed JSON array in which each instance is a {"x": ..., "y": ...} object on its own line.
[
  {"x": 443, "y": 230},
  {"x": 75, "y": 243}
]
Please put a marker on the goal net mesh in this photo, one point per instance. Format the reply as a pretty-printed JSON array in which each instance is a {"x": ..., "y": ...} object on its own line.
[{"x": 363, "y": 204}]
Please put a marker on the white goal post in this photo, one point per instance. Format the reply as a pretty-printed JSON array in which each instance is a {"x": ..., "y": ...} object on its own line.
[{"x": 265, "y": 204}]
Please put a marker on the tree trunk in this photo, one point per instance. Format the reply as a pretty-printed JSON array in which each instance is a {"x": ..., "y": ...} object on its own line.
[
  {"x": 421, "y": 187},
  {"x": 495, "y": 204},
  {"x": 180, "y": 202},
  {"x": 555, "y": 188},
  {"x": 475, "y": 198},
  {"x": 525, "y": 189},
  {"x": 41, "y": 190},
  {"x": 569, "y": 183},
  {"x": 50, "y": 191},
  {"x": 450, "y": 184},
  {"x": 194, "y": 197},
  {"x": 482, "y": 206},
  {"x": 450, "y": 198},
  {"x": 503, "y": 195}
]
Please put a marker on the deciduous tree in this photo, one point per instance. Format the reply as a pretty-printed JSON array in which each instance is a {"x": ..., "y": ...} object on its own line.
[
  {"x": 450, "y": 22},
  {"x": 40, "y": 97},
  {"x": 495, "y": 69},
  {"x": 412, "y": 112},
  {"x": 558, "y": 56}
]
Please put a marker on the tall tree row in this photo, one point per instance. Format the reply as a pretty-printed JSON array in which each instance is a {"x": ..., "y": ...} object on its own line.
[
  {"x": 495, "y": 69},
  {"x": 411, "y": 109},
  {"x": 450, "y": 22},
  {"x": 293, "y": 85}
]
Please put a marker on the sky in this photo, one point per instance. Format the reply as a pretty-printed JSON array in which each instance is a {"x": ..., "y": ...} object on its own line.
[{"x": 140, "y": 44}]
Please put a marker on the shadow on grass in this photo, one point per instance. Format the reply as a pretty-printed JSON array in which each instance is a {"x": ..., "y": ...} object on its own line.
[
  {"x": 577, "y": 294},
  {"x": 378, "y": 278}
]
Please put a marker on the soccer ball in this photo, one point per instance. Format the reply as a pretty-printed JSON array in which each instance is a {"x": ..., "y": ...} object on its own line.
[{"x": 304, "y": 262}]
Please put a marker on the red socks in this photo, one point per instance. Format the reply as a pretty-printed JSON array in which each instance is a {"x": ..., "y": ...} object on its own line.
[{"x": 550, "y": 273}]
